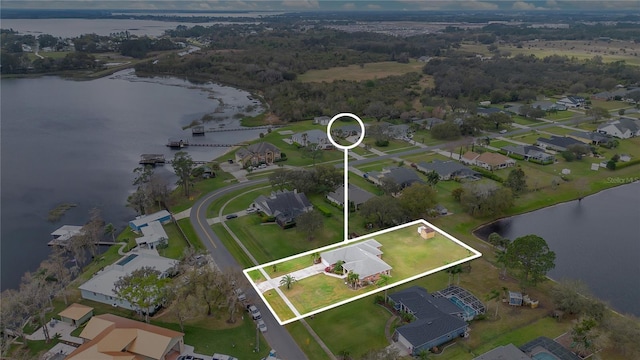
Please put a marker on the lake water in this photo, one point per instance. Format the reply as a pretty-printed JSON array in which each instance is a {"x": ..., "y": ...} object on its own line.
[
  {"x": 596, "y": 240},
  {"x": 68, "y": 28},
  {"x": 65, "y": 141}
]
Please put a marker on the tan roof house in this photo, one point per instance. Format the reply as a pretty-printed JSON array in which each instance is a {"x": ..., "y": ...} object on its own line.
[
  {"x": 76, "y": 314},
  {"x": 487, "y": 160},
  {"x": 259, "y": 153},
  {"x": 111, "y": 337}
]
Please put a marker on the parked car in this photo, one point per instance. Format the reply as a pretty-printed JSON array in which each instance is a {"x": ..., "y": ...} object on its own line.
[
  {"x": 251, "y": 210},
  {"x": 231, "y": 216},
  {"x": 185, "y": 357},
  {"x": 503, "y": 131},
  {"x": 262, "y": 326},
  {"x": 223, "y": 357},
  {"x": 241, "y": 295},
  {"x": 255, "y": 313}
]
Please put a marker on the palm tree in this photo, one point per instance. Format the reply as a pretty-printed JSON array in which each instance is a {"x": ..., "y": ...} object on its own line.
[
  {"x": 315, "y": 257},
  {"x": 287, "y": 281},
  {"x": 452, "y": 272},
  {"x": 109, "y": 229},
  {"x": 423, "y": 354},
  {"x": 382, "y": 281},
  {"x": 494, "y": 295},
  {"x": 353, "y": 279},
  {"x": 337, "y": 268}
]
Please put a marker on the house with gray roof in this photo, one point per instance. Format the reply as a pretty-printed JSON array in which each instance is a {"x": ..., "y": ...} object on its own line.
[
  {"x": 448, "y": 170},
  {"x": 100, "y": 287},
  {"x": 346, "y": 131},
  {"x": 529, "y": 152},
  {"x": 437, "y": 320},
  {"x": 258, "y": 153},
  {"x": 317, "y": 137},
  {"x": 557, "y": 143},
  {"x": 152, "y": 235},
  {"x": 571, "y": 101},
  {"x": 364, "y": 259},
  {"x": 622, "y": 128},
  {"x": 547, "y": 105},
  {"x": 483, "y": 111},
  {"x": 357, "y": 196},
  {"x": 285, "y": 206},
  {"x": 592, "y": 138},
  {"x": 400, "y": 175}
]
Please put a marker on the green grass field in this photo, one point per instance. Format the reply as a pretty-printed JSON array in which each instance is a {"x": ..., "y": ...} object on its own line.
[{"x": 369, "y": 71}]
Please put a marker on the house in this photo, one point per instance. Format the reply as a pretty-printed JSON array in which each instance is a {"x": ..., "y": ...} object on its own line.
[
  {"x": 357, "y": 196},
  {"x": 139, "y": 222},
  {"x": 557, "y": 143},
  {"x": 436, "y": 320},
  {"x": 546, "y": 105},
  {"x": 487, "y": 160},
  {"x": 401, "y": 176},
  {"x": 529, "y": 152},
  {"x": 152, "y": 235},
  {"x": 100, "y": 287},
  {"x": 622, "y": 128},
  {"x": 317, "y": 137},
  {"x": 76, "y": 314},
  {"x": 284, "y": 206},
  {"x": 571, "y": 101},
  {"x": 592, "y": 138},
  {"x": 321, "y": 120},
  {"x": 400, "y": 131},
  {"x": 447, "y": 170},
  {"x": 486, "y": 111},
  {"x": 504, "y": 352},
  {"x": 112, "y": 337},
  {"x": 346, "y": 131},
  {"x": 259, "y": 153},
  {"x": 364, "y": 259}
]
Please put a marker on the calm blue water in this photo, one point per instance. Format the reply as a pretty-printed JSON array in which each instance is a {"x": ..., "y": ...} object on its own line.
[
  {"x": 66, "y": 141},
  {"x": 596, "y": 240}
]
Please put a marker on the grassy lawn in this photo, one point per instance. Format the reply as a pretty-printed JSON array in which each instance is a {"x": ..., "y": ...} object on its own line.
[
  {"x": 278, "y": 305},
  {"x": 361, "y": 182},
  {"x": 610, "y": 105},
  {"x": 500, "y": 143},
  {"x": 394, "y": 145},
  {"x": 290, "y": 266},
  {"x": 176, "y": 243},
  {"x": 404, "y": 250},
  {"x": 518, "y": 119},
  {"x": 233, "y": 247},
  {"x": 529, "y": 138},
  {"x": 369, "y": 71},
  {"x": 560, "y": 131},
  {"x": 268, "y": 242},
  {"x": 424, "y": 136},
  {"x": 560, "y": 115},
  {"x": 357, "y": 327},
  {"x": 178, "y": 202},
  {"x": 307, "y": 343},
  {"x": 190, "y": 233},
  {"x": 377, "y": 165}
]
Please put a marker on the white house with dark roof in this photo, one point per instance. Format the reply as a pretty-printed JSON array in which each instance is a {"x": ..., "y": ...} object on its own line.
[
  {"x": 100, "y": 287},
  {"x": 593, "y": 138},
  {"x": 364, "y": 259},
  {"x": 447, "y": 170},
  {"x": 557, "y": 143},
  {"x": 357, "y": 196},
  {"x": 400, "y": 175},
  {"x": 571, "y": 101},
  {"x": 529, "y": 152},
  {"x": 437, "y": 320},
  {"x": 285, "y": 206},
  {"x": 622, "y": 128},
  {"x": 258, "y": 153}
]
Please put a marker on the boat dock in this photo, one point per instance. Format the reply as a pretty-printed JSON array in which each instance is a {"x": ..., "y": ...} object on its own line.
[
  {"x": 64, "y": 234},
  {"x": 182, "y": 144},
  {"x": 152, "y": 159}
]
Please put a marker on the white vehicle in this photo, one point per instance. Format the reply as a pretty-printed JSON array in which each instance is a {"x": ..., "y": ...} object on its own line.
[
  {"x": 262, "y": 326},
  {"x": 503, "y": 131},
  {"x": 251, "y": 210},
  {"x": 255, "y": 313},
  {"x": 241, "y": 295},
  {"x": 223, "y": 357}
]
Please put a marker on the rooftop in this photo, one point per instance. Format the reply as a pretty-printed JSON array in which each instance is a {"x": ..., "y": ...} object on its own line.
[{"x": 75, "y": 311}]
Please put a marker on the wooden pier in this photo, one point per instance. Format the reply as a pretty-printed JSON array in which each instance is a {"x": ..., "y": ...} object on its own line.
[
  {"x": 182, "y": 144},
  {"x": 244, "y": 128},
  {"x": 152, "y": 159},
  {"x": 177, "y": 144},
  {"x": 197, "y": 130}
]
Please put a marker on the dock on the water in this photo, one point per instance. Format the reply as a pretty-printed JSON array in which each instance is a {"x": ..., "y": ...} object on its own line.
[
  {"x": 152, "y": 159},
  {"x": 177, "y": 144},
  {"x": 197, "y": 130},
  {"x": 63, "y": 236}
]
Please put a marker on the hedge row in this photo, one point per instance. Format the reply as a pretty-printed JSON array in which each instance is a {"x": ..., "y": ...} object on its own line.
[
  {"x": 488, "y": 174},
  {"x": 621, "y": 165},
  {"x": 326, "y": 212}
]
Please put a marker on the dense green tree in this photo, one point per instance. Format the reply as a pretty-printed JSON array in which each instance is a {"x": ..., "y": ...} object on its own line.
[
  {"x": 310, "y": 223},
  {"x": 417, "y": 199},
  {"x": 530, "y": 257},
  {"x": 143, "y": 288},
  {"x": 485, "y": 198},
  {"x": 183, "y": 166},
  {"x": 382, "y": 211},
  {"x": 598, "y": 113},
  {"x": 516, "y": 181},
  {"x": 446, "y": 131}
]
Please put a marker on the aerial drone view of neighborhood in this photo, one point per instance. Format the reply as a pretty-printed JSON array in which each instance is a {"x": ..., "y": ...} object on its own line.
[{"x": 320, "y": 180}]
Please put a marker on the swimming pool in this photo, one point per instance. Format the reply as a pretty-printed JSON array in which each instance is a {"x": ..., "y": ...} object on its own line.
[
  {"x": 543, "y": 355},
  {"x": 468, "y": 310},
  {"x": 127, "y": 259}
]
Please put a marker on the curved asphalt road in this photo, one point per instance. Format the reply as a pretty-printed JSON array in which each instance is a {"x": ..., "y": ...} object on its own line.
[{"x": 278, "y": 337}]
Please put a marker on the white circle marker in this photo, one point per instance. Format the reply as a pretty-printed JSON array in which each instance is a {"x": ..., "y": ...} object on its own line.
[{"x": 345, "y": 147}]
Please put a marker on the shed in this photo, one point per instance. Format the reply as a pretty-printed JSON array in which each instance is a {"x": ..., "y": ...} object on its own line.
[
  {"x": 515, "y": 298},
  {"x": 76, "y": 314},
  {"x": 426, "y": 232}
]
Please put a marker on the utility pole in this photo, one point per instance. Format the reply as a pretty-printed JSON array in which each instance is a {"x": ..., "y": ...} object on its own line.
[{"x": 257, "y": 338}]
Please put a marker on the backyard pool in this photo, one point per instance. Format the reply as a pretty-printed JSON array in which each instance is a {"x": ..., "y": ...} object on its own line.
[
  {"x": 543, "y": 355},
  {"x": 468, "y": 310}
]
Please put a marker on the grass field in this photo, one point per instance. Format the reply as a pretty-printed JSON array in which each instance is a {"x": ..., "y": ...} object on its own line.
[{"x": 369, "y": 71}]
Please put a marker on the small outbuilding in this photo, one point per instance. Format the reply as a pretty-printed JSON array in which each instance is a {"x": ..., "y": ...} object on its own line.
[
  {"x": 515, "y": 298},
  {"x": 76, "y": 314},
  {"x": 426, "y": 232}
]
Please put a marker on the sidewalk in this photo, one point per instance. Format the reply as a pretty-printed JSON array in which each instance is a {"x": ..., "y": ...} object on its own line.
[{"x": 298, "y": 275}]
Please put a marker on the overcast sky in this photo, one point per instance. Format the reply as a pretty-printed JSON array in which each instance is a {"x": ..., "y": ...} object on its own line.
[{"x": 300, "y": 5}]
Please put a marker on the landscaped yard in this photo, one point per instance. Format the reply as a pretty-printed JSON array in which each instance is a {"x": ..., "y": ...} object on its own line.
[{"x": 404, "y": 250}]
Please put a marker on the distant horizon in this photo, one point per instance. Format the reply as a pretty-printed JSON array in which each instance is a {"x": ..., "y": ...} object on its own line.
[{"x": 293, "y": 6}]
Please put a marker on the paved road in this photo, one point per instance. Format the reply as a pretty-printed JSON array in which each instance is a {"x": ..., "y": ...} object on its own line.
[{"x": 277, "y": 336}]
